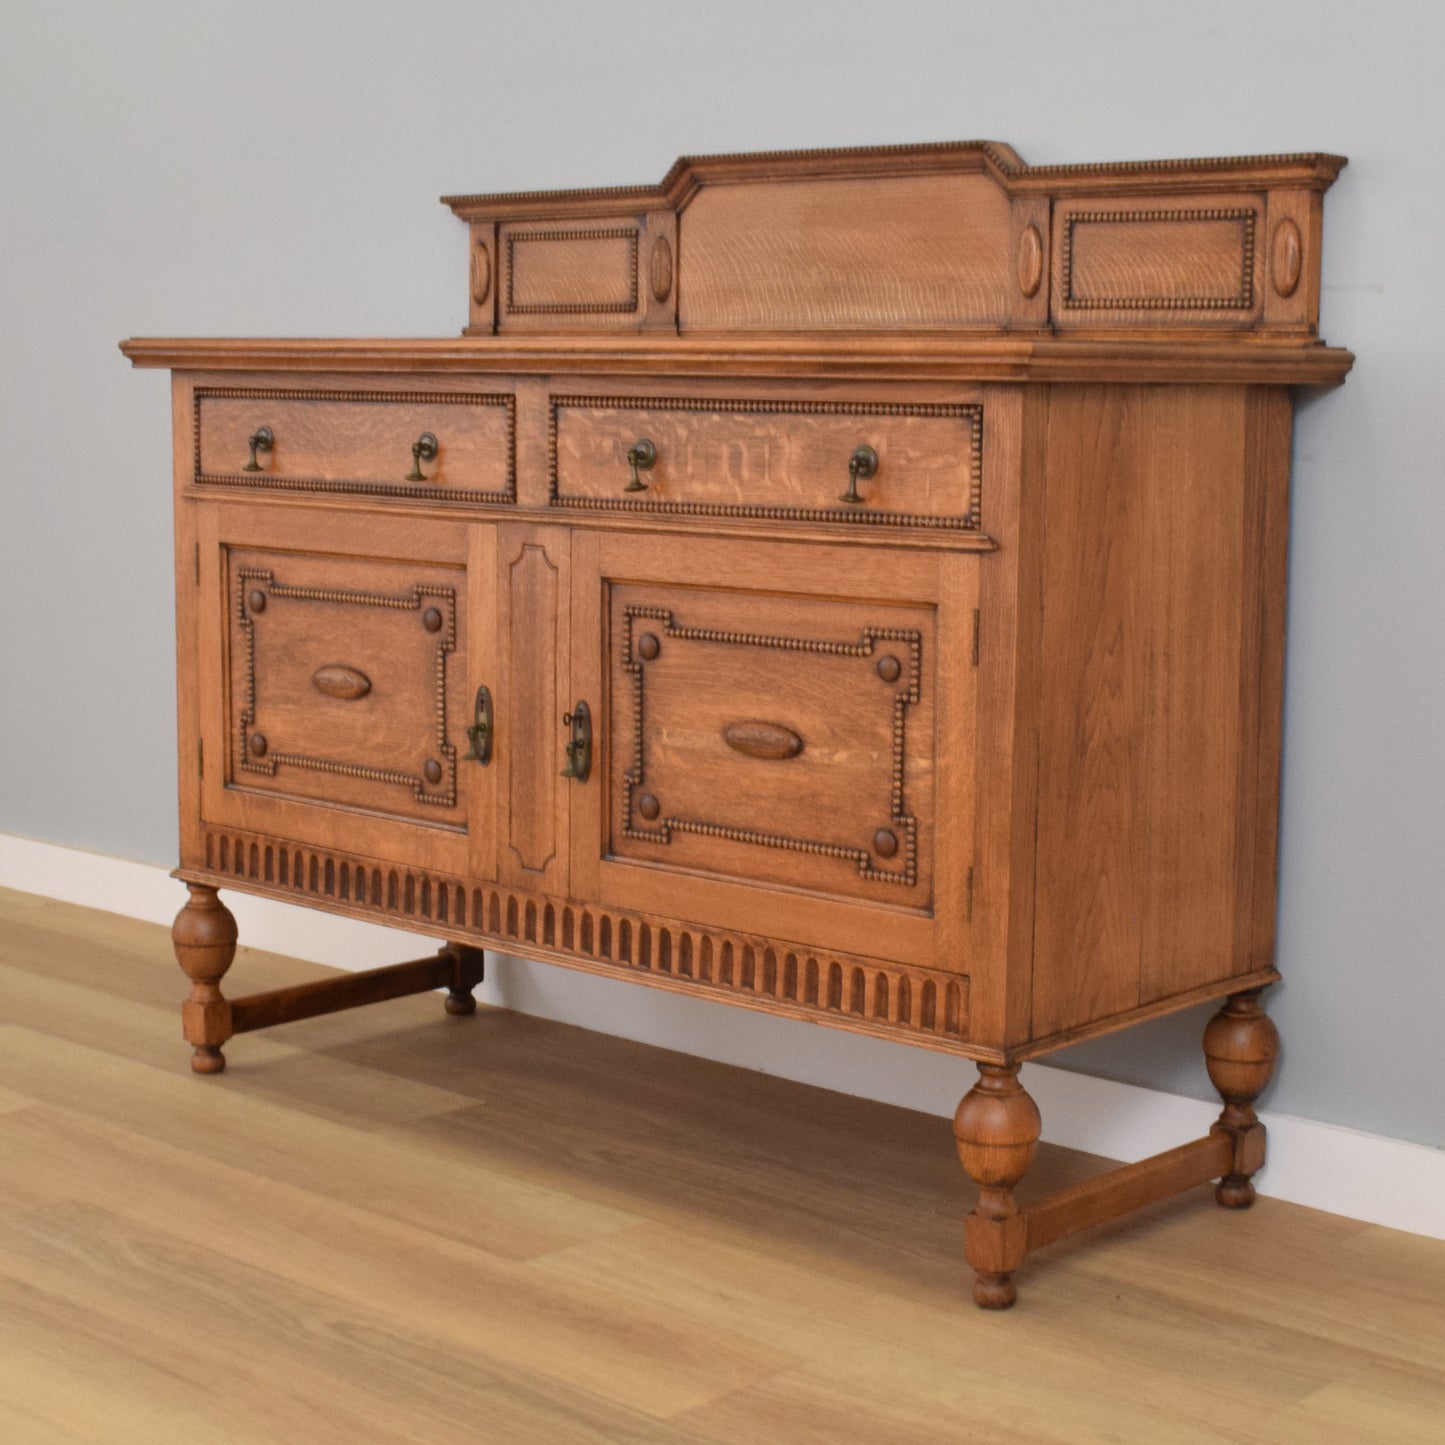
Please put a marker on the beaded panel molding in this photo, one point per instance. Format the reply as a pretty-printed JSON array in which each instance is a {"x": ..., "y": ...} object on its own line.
[
  {"x": 971, "y": 413},
  {"x": 262, "y": 582}
]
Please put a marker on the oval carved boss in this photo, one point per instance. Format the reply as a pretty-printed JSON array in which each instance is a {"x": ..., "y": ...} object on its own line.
[
  {"x": 1031, "y": 261},
  {"x": 661, "y": 268},
  {"x": 336, "y": 680},
  {"x": 481, "y": 272},
  {"x": 1287, "y": 259},
  {"x": 762, "y": 740}
]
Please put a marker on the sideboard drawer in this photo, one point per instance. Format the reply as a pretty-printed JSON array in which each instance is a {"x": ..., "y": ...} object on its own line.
[
  {"x": 442, "y": 446},
  {"x": 770, "y": 459}
]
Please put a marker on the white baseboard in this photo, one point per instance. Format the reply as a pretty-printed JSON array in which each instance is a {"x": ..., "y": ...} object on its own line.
[{"x": 1365, "y": 1176}]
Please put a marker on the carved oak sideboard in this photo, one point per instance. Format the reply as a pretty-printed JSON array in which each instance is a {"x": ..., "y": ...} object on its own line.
[{"x": 843, "y": 584}]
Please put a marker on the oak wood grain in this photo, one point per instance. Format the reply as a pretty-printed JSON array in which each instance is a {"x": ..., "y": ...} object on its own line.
[
  {"x": 356, "y": 438},
  {"x": 772, "y": 455},
  {"x": 907, "y": 525}
]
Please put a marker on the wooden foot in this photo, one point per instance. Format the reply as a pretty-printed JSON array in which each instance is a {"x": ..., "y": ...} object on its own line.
[
  {"x": 468, "y": 969},
  {"x": 997, "y": 1127},
  {"x": 1241, "y": 1045},
  {"x": 204, "y": 938}
]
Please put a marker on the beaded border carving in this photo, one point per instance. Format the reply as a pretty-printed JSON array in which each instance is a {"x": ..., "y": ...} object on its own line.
[
  {"x": 906, "y": 696},
  {"x": 1242, "y": 301},
  {"x": 446, "y": 643},
  {"x": 970, "y": 412},
  {"x": 264, "y": 480},
  {"x": 574, "y": 308}
]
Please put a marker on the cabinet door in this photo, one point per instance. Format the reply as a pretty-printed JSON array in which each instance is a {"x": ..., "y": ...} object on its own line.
[
  {"x": 778, "y": 730},
  {"x": 337, "y": 661}
]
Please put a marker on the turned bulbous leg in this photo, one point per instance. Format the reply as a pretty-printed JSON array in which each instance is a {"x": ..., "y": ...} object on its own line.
[
  {"x": 1241, "y": 1045},
  {"x": 468, "y": 969},
  {"x": 997, "y": 1127},
  {"x": 204, "y": 938}
]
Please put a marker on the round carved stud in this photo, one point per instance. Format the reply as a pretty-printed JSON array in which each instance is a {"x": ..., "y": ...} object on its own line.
[
  {"x": 662, "y": 268},
  {"x": 648, "y": 646},
  {"x": 648, "y": 806},
  {"x": 1286, "y": 257},
  {"x": 885, "y": 842},
  {"x": 1031, "y": 261},
  {"x": 432, "y": 772},
  {"x": 431, "y": 619},
  {"x": 889, "y": 668},
  {"x": 257, "y": 745},
  {"x": 481, "y": 273},
  {"x": 256, "y": 601}
]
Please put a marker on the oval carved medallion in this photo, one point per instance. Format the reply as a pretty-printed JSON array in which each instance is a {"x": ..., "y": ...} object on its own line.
[
  {"x": 335, "y": 680},
  {"x": 481, "y": 272},
  {"x": 1031, "y": 261},
  {"x": 662, "y": 268},
  {"x": 1287, "y": 259},
  {"x": 762, "y": 740}
]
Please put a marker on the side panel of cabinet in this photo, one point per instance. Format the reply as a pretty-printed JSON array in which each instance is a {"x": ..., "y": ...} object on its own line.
[
  {"x": 530, "y": 622},
  {"x": 778, "y": 733},
  {"x": 335, "y": 656},
  {"x": 1160, "y": 647}
]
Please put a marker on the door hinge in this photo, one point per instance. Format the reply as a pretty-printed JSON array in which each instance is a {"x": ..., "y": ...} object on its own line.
[
  {"x": 200, "y": 758},
  {"x": 975, "y": 636},
  {"x": 198, "y": 564},
  {"x": 968, "y": 896}
]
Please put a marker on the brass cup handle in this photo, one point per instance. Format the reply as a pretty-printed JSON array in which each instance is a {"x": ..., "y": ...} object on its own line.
[
  {"x": 423, "y": 449},
  {"x": 862, "y": 465},
  {"x": 579, "y": 743},
  {"x": 260, "y": 440},
  {"x": 641, "y": 457}
]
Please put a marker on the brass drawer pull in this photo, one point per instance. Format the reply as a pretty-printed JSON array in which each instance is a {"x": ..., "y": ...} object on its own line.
[
  {"x": 480, "y": 732},
  {"x": 423, "y": 449},
  {"x": 260, "y": 440},
  {"x": 862, "y": 465},
  {"x": 641, "y": 457},
  {"x": 579, "y": 744}
]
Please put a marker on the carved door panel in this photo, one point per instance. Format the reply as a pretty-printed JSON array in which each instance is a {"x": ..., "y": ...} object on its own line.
[
  {"x": 338, "y": 666},
  {"x": 777, "y": 730}
]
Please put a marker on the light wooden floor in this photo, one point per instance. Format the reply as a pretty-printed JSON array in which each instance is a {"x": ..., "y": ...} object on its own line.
[{"x": 393, "y": 1226}]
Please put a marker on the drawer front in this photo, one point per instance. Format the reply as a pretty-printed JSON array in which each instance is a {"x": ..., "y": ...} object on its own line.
[
  {"x": 770, "y": 459},
  {"x": 359, "y": 442},
  {"x": 347, "y": 683}
]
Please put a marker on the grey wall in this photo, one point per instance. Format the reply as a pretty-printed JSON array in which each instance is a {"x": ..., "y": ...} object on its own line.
[{"x": 187, "y": 167}]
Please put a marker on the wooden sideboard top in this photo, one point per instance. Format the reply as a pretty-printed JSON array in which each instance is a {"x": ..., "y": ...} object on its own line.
[
  {"x": 1237, "y": 361},
  {"x": 932, "y": 262}
]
